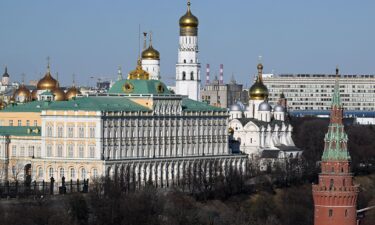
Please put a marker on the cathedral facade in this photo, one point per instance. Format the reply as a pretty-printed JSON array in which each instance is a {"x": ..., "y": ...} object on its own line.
[{"x": 262, "y": 131}]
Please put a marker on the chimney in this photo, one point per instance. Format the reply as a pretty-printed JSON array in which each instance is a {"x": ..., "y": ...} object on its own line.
[
  {"x": 207, "y": 74},
  {"x": 221, "y": 74}
]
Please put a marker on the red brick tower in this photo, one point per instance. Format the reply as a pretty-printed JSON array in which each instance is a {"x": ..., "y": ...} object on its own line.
[{"x": 335, "y": 197}]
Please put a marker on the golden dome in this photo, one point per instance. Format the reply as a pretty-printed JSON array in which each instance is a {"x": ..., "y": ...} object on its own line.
[
  {"x": 47, "y": 82},
  {"x": 188, "y": 23},
  {"x": 138, "y": 73},
  {"x": 22, "y": 93},
  {"x": 34, "y": 94},
  {"x": 258, "y": 91},
  {"x": 72, "y": 93},
  {"x": 59, "y": 94},
  {"x": 150, "y": 53}
]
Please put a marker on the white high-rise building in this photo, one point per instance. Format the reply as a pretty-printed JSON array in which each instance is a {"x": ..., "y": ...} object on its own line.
[{"x": 188, "y": 68}]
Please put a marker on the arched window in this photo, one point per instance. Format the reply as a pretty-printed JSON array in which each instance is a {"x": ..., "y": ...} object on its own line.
[
  {"x": 346, "y": 213},
  {"x": 331, "y": 183},
  {"x": 330, "y": 213},
  {"x": 50, "y": 172},
  {"x": 62, "y": 171},
  {"x": 83, "y": 173},
  {"x": 192, "y": 75},
  {"x": 72, "y": 173},
  {"x": 184, "y": 75},
  {"x": 40, "y": 172},
  {"x": 95, "y": 173},
  {"x": 184, "y": 60}
]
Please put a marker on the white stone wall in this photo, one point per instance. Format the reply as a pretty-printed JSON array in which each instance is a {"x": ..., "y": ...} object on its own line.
[
  {"x": 188, "y": 68},
  {"x": 152, "y": 67}
]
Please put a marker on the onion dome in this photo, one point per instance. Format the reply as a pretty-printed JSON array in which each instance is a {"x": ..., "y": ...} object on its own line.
[
  {"x": 235, "y": 107},
  {"x": 72, "y": 93},
  {"x": 264, "y": 106},
  {"x": 34, "y": 94},
  {"x": 189, "y": 23},
  {"x": 150, "y": 52},
  {"x": 6, "y": 72},
  {"x": 258, "y": 90},
  {"x": 22, "y": 94},
  {"x": 59, "y": 94},
  {"x": 138, "y": 73},
  {"x": 279, "y": 108},
  {"x": 47, "y": 82}
]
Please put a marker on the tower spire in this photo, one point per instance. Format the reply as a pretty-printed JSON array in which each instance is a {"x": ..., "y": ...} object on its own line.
[
  {"x": 144, "y": 40},
  {"x": 119, "y": 73},
  {"x": 150, "y": 39},
  {"x": 48, "y": 64},
  {"x": 188, "y": 6},
  {"x": 74, "y": 80}
]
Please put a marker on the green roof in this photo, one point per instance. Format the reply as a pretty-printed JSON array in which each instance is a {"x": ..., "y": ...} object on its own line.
[
  {"x": 196, "y": 106},
  {"x": 91, "y": 103},
  {"x": 125, "y": 86},
  {"x": 20, "y": 131}
]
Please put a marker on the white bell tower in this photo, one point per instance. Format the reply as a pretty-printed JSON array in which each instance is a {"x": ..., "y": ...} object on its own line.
[{"x": 188, "y": 80}]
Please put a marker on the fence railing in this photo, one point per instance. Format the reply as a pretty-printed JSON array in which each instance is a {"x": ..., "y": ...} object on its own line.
[{"x": 24, "y": 189}]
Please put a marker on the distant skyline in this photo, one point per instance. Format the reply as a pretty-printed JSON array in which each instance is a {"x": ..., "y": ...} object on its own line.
[{"x": 93, "y": 38}]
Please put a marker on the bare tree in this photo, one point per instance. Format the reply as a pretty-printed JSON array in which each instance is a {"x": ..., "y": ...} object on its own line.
[{"x": 16, "y": 170}]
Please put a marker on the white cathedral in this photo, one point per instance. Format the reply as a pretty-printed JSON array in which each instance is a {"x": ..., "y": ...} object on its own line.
[{"x": 262, "y": 131}]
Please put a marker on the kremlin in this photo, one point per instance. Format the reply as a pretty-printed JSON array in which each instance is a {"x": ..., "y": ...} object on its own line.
[{"x": 192, "y": 137}]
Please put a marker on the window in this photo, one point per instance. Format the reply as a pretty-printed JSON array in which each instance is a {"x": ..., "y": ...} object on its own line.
[
  {"x": 31, "y": 151},
  {"x": 331, "y": 184},
  {"x": 49, "y": 151},
  {"x": 28, "y": 123},
  {"x": 184, "y": 75},
  {"x": 19, "y": 122},
  {"x": 11, "y": 123},
  {"x": 14, "y": 150},
  {"x": 49, "y": 131},
  {"x": 39, "y": 152},
  {"x": 192, "y": 75},
  {"x": 35, "y": 123},
  {"x": 59, "y": 132},
  {"x": 62, "y": 172},
  {"x": 40, "y": 172},
  {"x": 92, "y": 132},
  {"x": 50, "y": 172},
  {"x": 81, "y": 132},
  {"x": 59, "y": 151},
  {"x": 70, "y": 132},
  {"x": 346, "y": 213},
  {"x": 95, "y": 173},
  {"x": 72, "y": 173},
  {"x": 22, "y": 153},
  {"x": 184, "y": 60},
  {"x": 81, "y": 151},
  {"x": 330, "y": 213},
  {"x": 70, "y": 151},
  {"x": 83, "y": 173},
  {"x": 92, "y": 151}
]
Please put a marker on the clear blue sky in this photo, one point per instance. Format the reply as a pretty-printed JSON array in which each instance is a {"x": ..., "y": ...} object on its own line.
[{"x": 91, "y": 38}]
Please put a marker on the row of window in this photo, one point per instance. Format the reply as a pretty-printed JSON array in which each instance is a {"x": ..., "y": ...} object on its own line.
[
  {"x": 71, "y": 152},
  {"x": 71, "y": 173},
  {"x": 70, "y": 132},
  {"x": 26, "y": 151},
  {"x": 19, "y": 123}
]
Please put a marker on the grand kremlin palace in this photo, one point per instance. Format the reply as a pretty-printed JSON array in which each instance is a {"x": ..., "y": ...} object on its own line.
[{"x": 139, "y": 123}]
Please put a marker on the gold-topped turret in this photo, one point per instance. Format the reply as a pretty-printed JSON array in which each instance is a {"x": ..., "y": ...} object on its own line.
[
  {"x": 73, "y": 91},
  {"x": 258, "y": 91},
  {"x": 47, "y": 82},
  {"x": 150, "y": 52},
  {"x": 138, "y": 73},
  {"x": 189, "y": 23}
]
